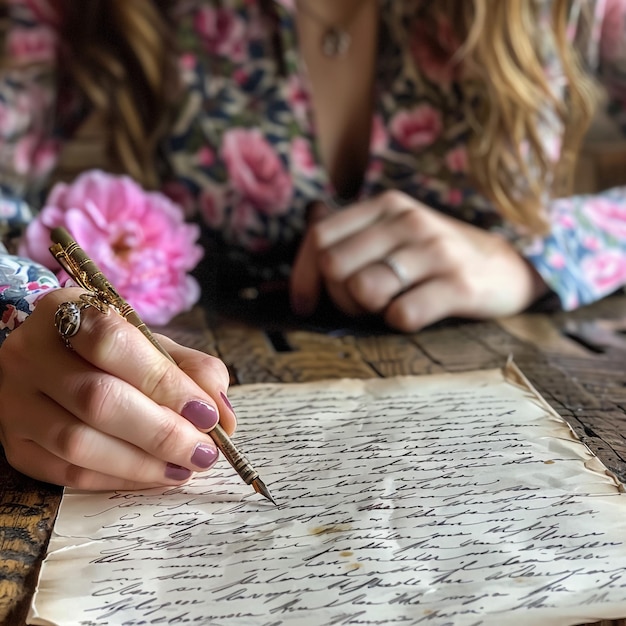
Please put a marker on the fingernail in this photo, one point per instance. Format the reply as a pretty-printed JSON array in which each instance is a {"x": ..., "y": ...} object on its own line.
[
  {"x": 200, "y": 414},
  {"x": 226, "y": 401},
  {"x": 204, "y": 456},
  {"x": 176, "y": 472}
]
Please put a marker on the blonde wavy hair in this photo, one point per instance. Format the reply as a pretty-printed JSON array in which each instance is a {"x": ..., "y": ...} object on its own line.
[
  {"x": 504, "y": 45},
  {"x": 121, "y": 56}
]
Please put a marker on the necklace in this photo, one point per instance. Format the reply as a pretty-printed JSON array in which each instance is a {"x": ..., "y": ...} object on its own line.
[{"x": 336, "y": 39}]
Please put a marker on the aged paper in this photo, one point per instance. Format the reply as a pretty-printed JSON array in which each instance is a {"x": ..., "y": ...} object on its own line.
[{"x": 451, "y": 499}]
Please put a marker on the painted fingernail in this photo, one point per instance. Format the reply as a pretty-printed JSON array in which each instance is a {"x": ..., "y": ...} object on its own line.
[
  {"x": 200, "y": 414},
  {"x": 204, "y": 456},
  {"x": 176, "y": 472},
  {"x": 226, "y": 401}
]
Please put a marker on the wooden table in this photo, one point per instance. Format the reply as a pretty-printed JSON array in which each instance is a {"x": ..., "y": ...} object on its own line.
[{"x": 577, "y": 361}]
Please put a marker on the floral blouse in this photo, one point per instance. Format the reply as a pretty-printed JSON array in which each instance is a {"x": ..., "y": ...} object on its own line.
[{"x": 242, "y": 156}]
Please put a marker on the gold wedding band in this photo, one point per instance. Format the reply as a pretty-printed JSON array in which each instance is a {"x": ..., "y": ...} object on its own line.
[
  {"x": 398, "y": 270},
  {"x": 67, "y": 318}
]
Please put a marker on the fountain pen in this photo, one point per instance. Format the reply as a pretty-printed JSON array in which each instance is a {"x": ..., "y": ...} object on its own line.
[{"x": 86, "y": 274}]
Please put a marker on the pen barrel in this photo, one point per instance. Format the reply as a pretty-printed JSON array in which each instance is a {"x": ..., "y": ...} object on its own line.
[
  {"x": 239, "y": 462},
  {"x": 87, "y": 274}
]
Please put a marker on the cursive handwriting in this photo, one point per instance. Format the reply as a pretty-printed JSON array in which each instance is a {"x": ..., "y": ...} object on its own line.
[{"x": 455, "y": 499}]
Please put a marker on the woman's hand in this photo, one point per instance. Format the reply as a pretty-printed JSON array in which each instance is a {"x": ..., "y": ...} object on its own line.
[
  {"x": 113, "y": 413},
  {"x": 443, "y": 267}
]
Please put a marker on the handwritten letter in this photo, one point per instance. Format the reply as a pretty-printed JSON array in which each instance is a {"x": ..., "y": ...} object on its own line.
[{"x": 451, "y": 499}]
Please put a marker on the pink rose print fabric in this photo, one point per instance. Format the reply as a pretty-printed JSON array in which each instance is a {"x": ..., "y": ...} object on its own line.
[{"x": 242, "y": 158}]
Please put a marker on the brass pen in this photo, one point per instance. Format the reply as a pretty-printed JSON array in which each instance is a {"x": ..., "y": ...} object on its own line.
[{"x": 86, "y": 273}]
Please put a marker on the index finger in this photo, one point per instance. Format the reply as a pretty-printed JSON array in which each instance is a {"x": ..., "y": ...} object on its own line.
[
  {"x": 113, "y": 345},
  {"x": 357, "y": 217}
]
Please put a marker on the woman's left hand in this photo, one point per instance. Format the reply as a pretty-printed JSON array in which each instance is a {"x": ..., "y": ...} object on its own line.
[{"x": 394, "y": 256}]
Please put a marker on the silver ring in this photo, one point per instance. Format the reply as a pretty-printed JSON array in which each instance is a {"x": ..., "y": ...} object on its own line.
[
  {"x": 398, "y": 270},
  {"x": 67, "y": 318}
]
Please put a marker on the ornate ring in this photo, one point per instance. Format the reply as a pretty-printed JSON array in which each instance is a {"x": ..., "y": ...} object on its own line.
[
  {"x": 67, "y": 318},
  {"x": 398, "y": 270}
]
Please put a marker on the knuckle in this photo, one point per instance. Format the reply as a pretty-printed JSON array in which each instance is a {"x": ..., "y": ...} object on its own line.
[
  {"x": 366, "y": 291},
  {"x": 106, "y": 335},
  {"x": 214, "y": 366},
  {"x": 393, "y": 199},
  {"x": 161, "y": 376},
  {"x": 70, "y": 441},
  {"x": 77, "y": 477},
  {"x": 466, "y": 293},
  {"x": 166, "y": 437},
  {"x": 446, "y": 254},
  {"x": 410, "y": 221},
  {"x": 74, "y": 476},
  {"x": 97, "y": 397}
]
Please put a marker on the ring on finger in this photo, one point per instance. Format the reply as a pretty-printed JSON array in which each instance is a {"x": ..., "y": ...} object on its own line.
[
  {"x": 67, "y": 318},
  {"x": 398, "y": 270}
]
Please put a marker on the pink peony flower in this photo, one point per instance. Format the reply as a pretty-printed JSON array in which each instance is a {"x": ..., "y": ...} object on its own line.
[
  {"x": 608, "y": 215},
  {"x": 222, "y": 32},
  {"x": 418, "y": 128},
  {"x": 606, "y": 271},
  {"x": 434, "y": 51},
  {"x": 456, "y": 160},
  {"x": 32, "y": 45},
  {"x": 137, "y": 238},
  {"x": 256, "y": 170},
  {"x": 35, "y": 155}
]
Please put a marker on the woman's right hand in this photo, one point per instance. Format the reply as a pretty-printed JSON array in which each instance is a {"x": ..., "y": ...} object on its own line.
[{"x": 113, "y": 413}]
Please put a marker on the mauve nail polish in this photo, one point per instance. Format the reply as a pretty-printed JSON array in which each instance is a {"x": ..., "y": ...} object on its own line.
[
  {"x": 176, "y": 472},
  {"x": 204, "y": 456},
  {"x": 226, "y": 401},
  {"x": 200, "y": 414}
]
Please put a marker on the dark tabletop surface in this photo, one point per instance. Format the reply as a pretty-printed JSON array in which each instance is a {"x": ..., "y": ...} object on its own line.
[{"x": 576, "y": 361}]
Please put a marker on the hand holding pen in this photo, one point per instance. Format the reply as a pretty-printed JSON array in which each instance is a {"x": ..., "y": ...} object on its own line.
[
  {"x": 106, "y": 415},
  {"x": 102, "y": 296}
]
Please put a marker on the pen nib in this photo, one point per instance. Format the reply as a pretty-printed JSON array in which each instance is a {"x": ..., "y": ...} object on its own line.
[{"x": 259, "y": 487}]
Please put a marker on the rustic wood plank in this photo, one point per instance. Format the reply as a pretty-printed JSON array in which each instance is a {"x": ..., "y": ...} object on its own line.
[
  {"x": 543, "y": 333},
  {"x": 394, "y": 355},
  {"x": 27, "y": 512},
  {"x": 586, "y": 387},
  {"x": 291, "y": 356},
  {"x": 192, "y": 330},
  {"x": 456, "y": 349}
]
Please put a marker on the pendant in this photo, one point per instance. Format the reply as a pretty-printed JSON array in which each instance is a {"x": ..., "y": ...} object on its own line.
[{"x": 335, "y": 42}]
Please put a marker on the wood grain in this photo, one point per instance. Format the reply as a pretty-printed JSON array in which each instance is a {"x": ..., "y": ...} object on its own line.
[{"x": 585, "y": 384}]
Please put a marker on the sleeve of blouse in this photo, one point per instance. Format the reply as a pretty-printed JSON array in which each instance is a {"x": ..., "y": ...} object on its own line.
[
  {"x": 584, "y": 257},
  {"x": 22, "y": 282},
  {"x": 28, "y": 150}
]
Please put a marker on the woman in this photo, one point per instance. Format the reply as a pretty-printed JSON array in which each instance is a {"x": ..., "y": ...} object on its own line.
[{"x": 401, "y": 157}]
